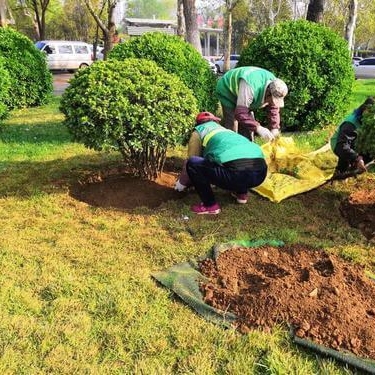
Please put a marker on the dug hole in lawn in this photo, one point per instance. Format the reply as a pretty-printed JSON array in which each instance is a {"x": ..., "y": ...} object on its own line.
[{"x": 327, "y": 303}]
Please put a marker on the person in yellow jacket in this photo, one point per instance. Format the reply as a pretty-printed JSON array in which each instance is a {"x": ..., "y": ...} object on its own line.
[
  {"x": 245, "y": 89},
  {"x": 227, "y": 160}
]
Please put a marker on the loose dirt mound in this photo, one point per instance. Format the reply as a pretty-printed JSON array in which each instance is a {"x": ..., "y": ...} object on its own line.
[
  {"x": 326, "y": 299},
  {"x": 359, "y": 210},
  {"x": 116, "y": 188}
]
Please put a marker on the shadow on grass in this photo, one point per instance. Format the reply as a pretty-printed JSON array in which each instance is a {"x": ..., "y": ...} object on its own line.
[{"x": 101, "y": 180}]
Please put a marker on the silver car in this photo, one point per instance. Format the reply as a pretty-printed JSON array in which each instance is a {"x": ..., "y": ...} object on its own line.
[
  {"x": 233, "y": 61},
  {"x": 365, "y": 68}
]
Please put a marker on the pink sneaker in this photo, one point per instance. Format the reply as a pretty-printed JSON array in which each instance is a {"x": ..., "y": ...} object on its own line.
[
  {"x": 201, "y": 209},
  {"x": 241, "y": 198}
]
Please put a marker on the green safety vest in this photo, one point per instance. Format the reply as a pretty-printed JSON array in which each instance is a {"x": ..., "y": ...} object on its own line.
[
  {"x": 257, "y": 78},
  {"x": 222, "y": 145}
]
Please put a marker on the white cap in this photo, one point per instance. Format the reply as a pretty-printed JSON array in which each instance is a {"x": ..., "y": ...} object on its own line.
[{"x": 278, "y": 90}]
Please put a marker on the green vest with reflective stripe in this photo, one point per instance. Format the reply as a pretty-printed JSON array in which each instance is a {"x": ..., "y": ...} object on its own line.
[
  {"x": 257, "y": 78},
  {"x": 222, "y": 145},
  {"x": 353, "y": 119}
]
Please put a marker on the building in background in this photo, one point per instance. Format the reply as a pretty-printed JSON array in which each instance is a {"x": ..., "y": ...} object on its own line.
[{"x": 210, "y": 37}]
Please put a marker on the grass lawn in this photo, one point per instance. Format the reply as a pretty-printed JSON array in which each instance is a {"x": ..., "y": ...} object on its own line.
[{"x": 76, "y": 293}]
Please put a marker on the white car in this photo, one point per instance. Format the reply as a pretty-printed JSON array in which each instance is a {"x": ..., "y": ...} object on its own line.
[
  {"x": 65, "y": 54},
  {"x": 365, "y": 68},
  {"x": 233, "y": 61},
  {"x": 211, "y": 64}
]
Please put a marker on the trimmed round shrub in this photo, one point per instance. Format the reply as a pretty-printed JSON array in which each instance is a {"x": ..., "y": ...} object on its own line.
[
  {"x": 4, "y": 89},
  {"x": 31, "y": 81},
  {"x": 176, "y": 56},
  {"x": 365, "y": 143},
  {"x": 132, "y": 106},
  {"x": 315, "y": 64}
]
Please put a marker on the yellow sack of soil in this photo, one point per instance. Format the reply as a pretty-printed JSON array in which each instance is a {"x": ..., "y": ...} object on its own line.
[{"x": 291, "y": 172}]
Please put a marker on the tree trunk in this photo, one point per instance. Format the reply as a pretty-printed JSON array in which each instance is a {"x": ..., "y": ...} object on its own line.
[
  {"x": 315, "y": 11},
  {"x": 227, "y": 40},
  {"x": 3, "y": 13},
  {"x": 108, "y": 31},
  {"x": 350, "y": 26},
  {"x": 180, "y": 18},
  {"x": 191, "y": 24},
  {"x": 229, "y": 5}
]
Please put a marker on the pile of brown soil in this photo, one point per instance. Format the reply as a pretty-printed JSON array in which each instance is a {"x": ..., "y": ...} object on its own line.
[
  {"x": 326, "y": 299},
  {"x": 359, "y": 211},
  {"x": 116, "y": 188}
]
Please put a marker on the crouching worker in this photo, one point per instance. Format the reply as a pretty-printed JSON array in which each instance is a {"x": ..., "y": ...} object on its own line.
[
  {"x": 343, "y": 142},
  {"x": 229, "y": 161}
]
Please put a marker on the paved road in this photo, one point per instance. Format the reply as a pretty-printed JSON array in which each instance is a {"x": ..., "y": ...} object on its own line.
[{"x": 60, "y": 82}]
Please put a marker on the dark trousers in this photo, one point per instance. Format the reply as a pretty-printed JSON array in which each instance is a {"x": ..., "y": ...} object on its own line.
[{"x": 203, "y": 173}]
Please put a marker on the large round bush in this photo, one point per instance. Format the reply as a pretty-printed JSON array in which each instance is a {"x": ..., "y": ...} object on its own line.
[
  {"x": 132, "y": 106},
  {"x": 31, "y": 80},
  {"x": 4, "y": 89},
  {"x": 176, "y": 56},
  {"x": 365, "y": 143},
  {"x": 315, "y": 64}
]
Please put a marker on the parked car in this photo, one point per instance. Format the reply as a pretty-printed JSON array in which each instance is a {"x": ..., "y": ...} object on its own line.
[
  {"x": 365, "y": 68},
  {"x": 99, "y": 52},
  {"x": 211, "y": 64},
  {"x": 356, "y": 60},
  {"x": 233, "y": 60},
  {"x": 65, "y": 54}
]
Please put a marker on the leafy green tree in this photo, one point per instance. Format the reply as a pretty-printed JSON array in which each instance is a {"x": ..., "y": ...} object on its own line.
[
  {"x": 132, "y": 106},
  {"x": 315, "y": 64},
  {"x": 365, "y": 30},
  {"x": 162, "y": 9},
  {"x": 176, "y": 56},
  {"x": 72, "y": 22}
]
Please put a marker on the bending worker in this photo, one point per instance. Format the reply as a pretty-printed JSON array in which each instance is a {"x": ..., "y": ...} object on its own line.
[
  {"x": 343, "y": 141},
  {"x": 243, "y": 90},
  {"x": 229, "y": 161}
]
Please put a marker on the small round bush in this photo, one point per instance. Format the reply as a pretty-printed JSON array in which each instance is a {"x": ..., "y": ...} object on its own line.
[
  {"x": 31, "y": 81},
  {"x": 176, "y": 56},
  {"x": 4, "y": 89},
  {"x": 365, "y": 143},
  {"x": 315, "y": 64},
  {"x": 132, "y": 106}
]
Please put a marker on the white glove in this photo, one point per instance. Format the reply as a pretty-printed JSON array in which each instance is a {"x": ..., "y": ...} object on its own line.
[
  {"x": 276, "y": 132},
  {"x": 179, "y": 187},
  {"x": 265, "y": 133},
  {"x": 360, "y": 164}
]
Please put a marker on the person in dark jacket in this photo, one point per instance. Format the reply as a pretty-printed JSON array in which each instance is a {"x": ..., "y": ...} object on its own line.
[
  {"x": 343, "y": 141},
  {"x": 245, "y": 89},
  {"x": 228, "y": 160}
]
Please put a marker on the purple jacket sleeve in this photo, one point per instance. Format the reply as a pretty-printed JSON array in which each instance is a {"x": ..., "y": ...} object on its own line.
[
  {"x": 245, "y": 117},
  {"x": 273, "y": 116}
]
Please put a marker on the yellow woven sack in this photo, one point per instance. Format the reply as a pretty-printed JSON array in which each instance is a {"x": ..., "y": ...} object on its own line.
[{"x": 290, "y": 172}]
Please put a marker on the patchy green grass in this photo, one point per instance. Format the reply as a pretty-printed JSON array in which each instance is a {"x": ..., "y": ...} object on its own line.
[{"x": 76, "y": 293}]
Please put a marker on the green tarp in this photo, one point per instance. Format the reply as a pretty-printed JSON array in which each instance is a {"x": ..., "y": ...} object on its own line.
[{"x": 184, "y": 279}]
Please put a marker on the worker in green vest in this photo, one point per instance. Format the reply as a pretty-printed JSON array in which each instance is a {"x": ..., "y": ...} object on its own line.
[
  {"x": 343, "y": 140},
  {"x": 245, "y": 89},
  {"x": 222, "y": 158}
]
